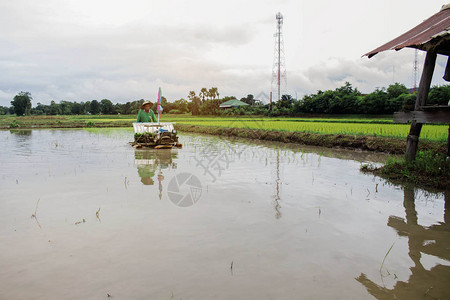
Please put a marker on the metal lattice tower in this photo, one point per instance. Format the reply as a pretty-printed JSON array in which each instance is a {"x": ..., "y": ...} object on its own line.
[
  {"x": 415, "y": 71},
  {"x": 279, "y": 80}
]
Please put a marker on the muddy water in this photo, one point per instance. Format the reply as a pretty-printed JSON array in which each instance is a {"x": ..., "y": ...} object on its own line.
[{"x": 84, "y": 216}]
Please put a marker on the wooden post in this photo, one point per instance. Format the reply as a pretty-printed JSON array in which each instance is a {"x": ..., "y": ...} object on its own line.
[
  {"x": 447, "y": 70},
  {"x": 422, "y": 96}
]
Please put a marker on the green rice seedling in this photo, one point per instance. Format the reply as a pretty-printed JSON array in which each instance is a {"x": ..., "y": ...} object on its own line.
[
  {"x": 97, "y": 214},
  {"x": 382, "y": 264},
  {"x": 35, "y": 213},
  {"x": 430, "y": 132}
]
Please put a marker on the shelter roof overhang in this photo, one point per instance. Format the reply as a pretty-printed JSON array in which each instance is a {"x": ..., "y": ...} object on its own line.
[{"x": 431, "y": 34}]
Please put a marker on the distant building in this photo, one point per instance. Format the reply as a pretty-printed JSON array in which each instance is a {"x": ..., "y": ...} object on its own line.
[{"x": 234, "y": 103}]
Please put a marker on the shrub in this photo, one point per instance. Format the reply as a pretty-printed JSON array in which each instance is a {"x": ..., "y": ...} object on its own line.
[
  {"x": 175, "y": 111},
  {"x": 429, "y": 169},
  {"x": 13, "y": 124}
]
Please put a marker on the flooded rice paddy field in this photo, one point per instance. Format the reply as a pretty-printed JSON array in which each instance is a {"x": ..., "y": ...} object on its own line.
[{"x": 85, "y": 216}]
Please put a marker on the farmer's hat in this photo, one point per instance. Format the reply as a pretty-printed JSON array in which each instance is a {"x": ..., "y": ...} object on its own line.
[{"x": 145, "y": 102}]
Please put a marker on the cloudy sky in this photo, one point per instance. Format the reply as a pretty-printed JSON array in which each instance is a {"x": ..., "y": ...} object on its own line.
[{"x": 80, "y": 50}]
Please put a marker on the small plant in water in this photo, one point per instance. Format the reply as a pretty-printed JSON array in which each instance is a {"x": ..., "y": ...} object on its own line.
[
  {"x": 382, "y": 264},
  {"x": 97, "y": 214},
  {"x": 79, "y": 222},
  {"x": 35, "y": 213}
]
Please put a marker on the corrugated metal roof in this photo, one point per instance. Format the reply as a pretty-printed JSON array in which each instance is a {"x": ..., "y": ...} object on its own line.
[
  {"x": 233, "y": 103},
  {"x": 433, "y": 33}
]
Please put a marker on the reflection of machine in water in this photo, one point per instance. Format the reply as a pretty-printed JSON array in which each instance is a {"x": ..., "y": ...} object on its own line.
[
  {"x": 150, "y": 161},
  {"x": 431, "y": 240}
]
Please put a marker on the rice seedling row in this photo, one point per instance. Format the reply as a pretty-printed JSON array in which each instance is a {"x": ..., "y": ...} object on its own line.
[{"x": 431, "y": 132}]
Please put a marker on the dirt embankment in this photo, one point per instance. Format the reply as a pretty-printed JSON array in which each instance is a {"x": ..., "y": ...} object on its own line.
[
  {"x": 369, "y": 143},
  {"x": 69, "y": 124}
]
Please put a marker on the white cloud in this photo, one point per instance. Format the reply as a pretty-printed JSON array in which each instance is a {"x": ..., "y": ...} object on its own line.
[{"x": 81, "y": 50}]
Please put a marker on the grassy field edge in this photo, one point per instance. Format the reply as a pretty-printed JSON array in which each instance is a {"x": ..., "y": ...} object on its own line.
[
  {"x": 429, "y": 171},
  {"x": 368, "y": 143}
]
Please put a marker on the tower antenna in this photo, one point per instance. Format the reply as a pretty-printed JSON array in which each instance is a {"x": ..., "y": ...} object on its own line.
[
  {"x": 415, "y": 70},
  {"x": 279, "y": 65}
]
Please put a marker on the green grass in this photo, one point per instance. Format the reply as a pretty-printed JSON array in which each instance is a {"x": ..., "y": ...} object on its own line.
[
  {"x": 430, "y": 132},
  {"x": 65, "y": 121},
  {"x": 346, "y": 124},
  {"x": 429, "y": 169}
]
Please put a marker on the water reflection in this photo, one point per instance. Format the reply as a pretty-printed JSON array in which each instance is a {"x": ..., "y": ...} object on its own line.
[
  {"x": 340, "y": 153},
  {"x": 432, "y": 240},
  {"x": 23, "y": 140},
  {"x": 277, "y": 198},
  {"x": 21, "y": 132},
  {"x": 150, "y": 164},
  {"x": 71, "y": 175}
]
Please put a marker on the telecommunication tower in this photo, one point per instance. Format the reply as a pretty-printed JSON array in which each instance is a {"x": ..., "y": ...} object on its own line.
[
  {"x": 415, "y": 71},
  {"x": 279, "y": 81}
]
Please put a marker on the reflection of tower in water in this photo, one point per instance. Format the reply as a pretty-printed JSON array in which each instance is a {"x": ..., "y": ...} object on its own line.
[
  {"x": 276, "y": 195},
  {"x": 432, "y": 240}
]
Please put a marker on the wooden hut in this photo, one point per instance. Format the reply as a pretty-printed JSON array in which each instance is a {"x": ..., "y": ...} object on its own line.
[{"x": 432, "y": 36}]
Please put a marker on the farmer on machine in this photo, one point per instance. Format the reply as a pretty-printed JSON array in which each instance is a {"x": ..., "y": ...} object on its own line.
[{"x": 145, "y": 114}]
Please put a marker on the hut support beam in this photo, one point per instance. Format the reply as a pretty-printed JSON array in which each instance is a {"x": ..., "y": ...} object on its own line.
[{"x": 422, "y": 96}]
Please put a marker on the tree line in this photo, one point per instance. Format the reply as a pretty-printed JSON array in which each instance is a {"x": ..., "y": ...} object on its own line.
[
  {"x": 21, "y": 105},
  {"x": 342, "y": 100}
]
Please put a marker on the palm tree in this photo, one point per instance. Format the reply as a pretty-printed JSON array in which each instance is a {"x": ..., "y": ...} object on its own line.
[
  {"x": 191, "y": 95},
  {"x": 203, "y": 94},
  {"x": 213, "y": 92}
]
